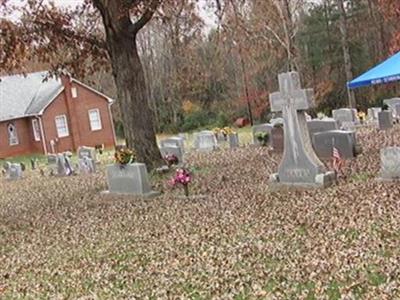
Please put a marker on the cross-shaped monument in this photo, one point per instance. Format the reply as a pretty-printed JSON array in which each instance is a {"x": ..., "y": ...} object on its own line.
[{"x": 300, "y": 165}]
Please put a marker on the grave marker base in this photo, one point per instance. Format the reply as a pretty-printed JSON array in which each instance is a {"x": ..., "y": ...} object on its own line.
[
  {"x": 149, "y": 195},
  {"x": 322, "y": 180}
]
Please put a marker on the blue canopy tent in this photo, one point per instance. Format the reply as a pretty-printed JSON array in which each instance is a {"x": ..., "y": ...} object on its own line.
[{"x": 385, "y": 72}]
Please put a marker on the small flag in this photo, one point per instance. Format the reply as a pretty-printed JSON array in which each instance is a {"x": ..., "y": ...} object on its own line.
[{"x": 337, "y": 161}]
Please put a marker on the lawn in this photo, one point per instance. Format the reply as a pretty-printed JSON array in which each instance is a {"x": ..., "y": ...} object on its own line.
[{"x": 60, "y": 239}]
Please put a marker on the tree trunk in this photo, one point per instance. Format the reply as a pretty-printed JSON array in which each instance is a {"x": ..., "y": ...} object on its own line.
[
  {"x": 131, "y": 85},
  {"x": 346, "y": 51}
]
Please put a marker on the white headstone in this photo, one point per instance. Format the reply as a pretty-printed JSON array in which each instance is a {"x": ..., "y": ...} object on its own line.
[
  {"x": 390, "y": 163},
  {"x": 131, "y": 179},
  {"x": 206, "y": 141}
]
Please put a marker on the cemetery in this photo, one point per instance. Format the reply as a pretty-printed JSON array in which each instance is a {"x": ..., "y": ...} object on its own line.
[{"x": 209, "y": 150}]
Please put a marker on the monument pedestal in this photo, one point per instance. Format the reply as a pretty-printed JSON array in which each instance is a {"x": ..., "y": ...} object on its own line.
[{"x": 322, "y": 180}]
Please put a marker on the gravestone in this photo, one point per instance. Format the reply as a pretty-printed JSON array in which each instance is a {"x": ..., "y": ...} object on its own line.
[
  {"x": 266, "y": 127},
  {"x": 64, "y": 165},
  {"x": 317, "y": 125},
  {"x": 396, "y": 111},
  {"x": 86, "y": 165},
  {"x": 343, "y": 140},
  {"x": 89, "y": 152},
  {"x": 277, "y": 139},
  {"x": 205, "y": 141},
  {"x": 233, "y": 140},
  {"x": 385, "y": 120},
  {"x": 173, "y": 141},
  {"x": 131, "y": 179},
  {"x": 221, "y": 138},
  {"x": 13, "y": 171},
  {"x": 373, "y": 113},
  {"x": 33, "y": 163},
  {"x": 172, "y": 149},
  {"x": 52, "y": 163},
  {"x": 390, "y": 163},
  {"x": 300, "y": 165},
  {"x": 392, "y": 103},
  {"x": 346, "y": 117}
]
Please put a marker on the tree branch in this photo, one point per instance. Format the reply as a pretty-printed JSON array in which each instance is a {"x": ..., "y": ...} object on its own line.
[{"x": 145, "y": 18}]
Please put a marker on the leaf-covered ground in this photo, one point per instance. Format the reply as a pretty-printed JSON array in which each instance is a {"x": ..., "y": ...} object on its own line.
[{"x": 59, "y": 239}]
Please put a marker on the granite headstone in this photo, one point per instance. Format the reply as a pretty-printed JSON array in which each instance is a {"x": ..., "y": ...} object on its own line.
[
  {"x": 300, "y": 165},
  {"x": 131, "y": 179}
]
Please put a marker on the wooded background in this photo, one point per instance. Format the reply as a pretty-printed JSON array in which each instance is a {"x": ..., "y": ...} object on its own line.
[{"x": 200, "y": 76}]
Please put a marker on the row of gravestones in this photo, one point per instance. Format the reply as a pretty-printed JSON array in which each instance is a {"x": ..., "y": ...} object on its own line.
[
  {"x": 58, "y": 164},
  {"x": 300, "y": 165},
  {"x": 324, "y": 134},
  {"x": 133, "y": 179},
  {"x": 348, "y": 118},
  {"x": 61, "y": 164}
]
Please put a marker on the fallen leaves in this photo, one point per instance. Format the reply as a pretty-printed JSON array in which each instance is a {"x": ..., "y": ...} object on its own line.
[{"x": 60, "y": 239}]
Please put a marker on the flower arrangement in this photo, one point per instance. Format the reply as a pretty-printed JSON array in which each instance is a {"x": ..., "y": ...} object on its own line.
[
  {"x": 171, "y": 159},
  {"x": 124, "y": 156},
  {"x": 321, "y": 115},
  {"x": 361, "y": 115},
  {"x": 224, "y": 131},
  {"x": 182, "y": 177},
  {"x": 262, "y": 138},
  {"x": 227, "y": 131},
  {"x": 216, "y": 130}
]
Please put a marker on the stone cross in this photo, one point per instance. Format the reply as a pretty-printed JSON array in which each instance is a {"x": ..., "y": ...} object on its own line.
[{"x": 300, "y": 165}]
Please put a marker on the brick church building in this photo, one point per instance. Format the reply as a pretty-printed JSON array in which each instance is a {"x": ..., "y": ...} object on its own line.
[{"x": 40, "y": 115}]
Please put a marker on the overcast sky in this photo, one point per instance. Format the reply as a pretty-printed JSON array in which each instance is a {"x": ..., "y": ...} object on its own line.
[{"x": 207, "y": 15}]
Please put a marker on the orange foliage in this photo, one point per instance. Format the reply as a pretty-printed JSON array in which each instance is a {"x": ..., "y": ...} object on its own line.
[
  {"x": 391, "y": 11},
  {"x": 258, "y": 100}
]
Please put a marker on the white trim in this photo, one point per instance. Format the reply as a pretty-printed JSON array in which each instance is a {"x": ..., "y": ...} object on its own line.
[
  {"x": 64, "y": 117},
  {"x": 43, "y": 136},
  {"x": 97, "y": 111},
  {"x": 112, "y": 123},
  {"x": 35, "y": 129},
  {"x": 110, "y": 100}
]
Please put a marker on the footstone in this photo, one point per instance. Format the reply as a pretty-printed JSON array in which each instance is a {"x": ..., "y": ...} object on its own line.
[
  {"x": 300, "y": 166},
  {"x": 131, "y": 179},
  {"x": 390, "y": 163},
  {"x": 385, "y": 120},
  {"x": 343, "y": 140},
  {"x": 261, "y": 128},
  {"x": 323, "y": 125},
  {"x": 172, "y": 149}
]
